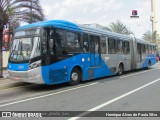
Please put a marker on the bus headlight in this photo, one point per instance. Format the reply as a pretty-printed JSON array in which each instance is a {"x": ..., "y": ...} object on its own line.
[{"x": 34, "y": 65}]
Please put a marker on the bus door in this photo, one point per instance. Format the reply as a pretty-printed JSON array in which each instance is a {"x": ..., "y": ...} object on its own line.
[
  {"x": 95, "y": 51},
  {"x": 133, "y": 53},
  {"x": 139, "y": 55},
  {"x": 127, "y": 56},
  {"x": 52, "y": 50},
  {"x": 45, "y": 58},
  {"x": 48, "y": 54}
]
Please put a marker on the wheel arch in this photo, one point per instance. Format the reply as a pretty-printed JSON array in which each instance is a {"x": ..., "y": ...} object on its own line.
[
  {"x": 120, "y": 63},
  {"x": 80, "y": 69}
]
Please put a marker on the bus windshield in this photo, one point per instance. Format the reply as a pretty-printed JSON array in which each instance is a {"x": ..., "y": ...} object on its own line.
[{"x": 25, "y": 48}]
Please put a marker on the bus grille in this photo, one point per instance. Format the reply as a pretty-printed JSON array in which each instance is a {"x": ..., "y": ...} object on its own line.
[{"x": 58, "y": 75}]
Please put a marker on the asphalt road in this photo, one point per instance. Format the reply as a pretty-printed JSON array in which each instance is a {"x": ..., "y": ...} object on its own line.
[{"x": 133, "y": 91}]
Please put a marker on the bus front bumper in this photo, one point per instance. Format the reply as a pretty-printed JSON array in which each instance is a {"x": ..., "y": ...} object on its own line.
[{"x": 30, "y": 76}]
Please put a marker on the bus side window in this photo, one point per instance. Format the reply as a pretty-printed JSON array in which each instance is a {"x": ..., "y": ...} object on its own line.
[
  {"x": 51, "y": 42},
  {"x": 150, "y": 49},
  {"x": 73, "y": 42},
  {"x": 94, "y": 44},
  {"x": 138, "y": 48},
  {"x": 103, "y": 45},
  {"x": 126, "y": 48},
  {"x": 143, "y": 49},
  {"x": 85, "y": 43},
  {"x": 111, "y": 46},
  {"x": 154, "y": 49},
  {"x": 44, "y": 43},
  {"x": 120, "y": 46},
  {"x": 60, "y": 41},
  {"x": 56, "y": 42},
  {"x": 146, "y": 49}
]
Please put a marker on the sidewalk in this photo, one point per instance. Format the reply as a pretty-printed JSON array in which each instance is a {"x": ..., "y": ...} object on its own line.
[
  {"x": 5, "y": 78},
  {"x": 5, "y": 74}
]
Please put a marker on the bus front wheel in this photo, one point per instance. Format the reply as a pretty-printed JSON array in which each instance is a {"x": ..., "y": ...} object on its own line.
[{"x": 75, "y": 76}]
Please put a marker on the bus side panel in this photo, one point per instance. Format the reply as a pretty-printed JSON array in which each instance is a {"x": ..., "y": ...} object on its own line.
[
  {"x": 45, "y": 74},
  {"x": 127, "y": 62},
  {"x": 151, "y": 58},
  {"x": 111, "y": 61},
  {"x": 60, "y": 72},
  {"x": 103, "y": 71},
  {"x": 143, "y": 61}
]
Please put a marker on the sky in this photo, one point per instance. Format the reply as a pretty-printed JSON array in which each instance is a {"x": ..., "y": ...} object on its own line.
[{"x": 102, "y": 12}]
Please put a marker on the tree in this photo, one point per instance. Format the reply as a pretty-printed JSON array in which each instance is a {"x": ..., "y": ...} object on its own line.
[
  {"x": 14, "y": 11},
  {"x": 151, "y": 37},
  {"x": 118, "y": 27}
]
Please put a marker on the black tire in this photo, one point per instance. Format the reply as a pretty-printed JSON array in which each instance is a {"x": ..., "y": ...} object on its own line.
[
  {"x": 75, "y": 76},
  {"x": 149, "y": 65},
  {"x": 120, "y": 70}
]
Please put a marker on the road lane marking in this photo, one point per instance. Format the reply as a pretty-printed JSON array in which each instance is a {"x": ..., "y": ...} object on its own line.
[
  {"x": 113, "y": 100},
  {"x": 7, "y": 104},
  {"x": 138, "y": 73}
]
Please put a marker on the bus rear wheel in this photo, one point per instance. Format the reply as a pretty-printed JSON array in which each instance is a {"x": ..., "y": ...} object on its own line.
[
  {"x": 149, "y": 65},
  {"x": 75, "y": 76},
  {"x": 120, "y": 70}
]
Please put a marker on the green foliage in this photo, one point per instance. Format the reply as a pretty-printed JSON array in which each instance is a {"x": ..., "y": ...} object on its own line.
[
  {"x": 151, "y": 37},
  {"x": 13, "y": 11},
  {"x": 118, "y": 27}
]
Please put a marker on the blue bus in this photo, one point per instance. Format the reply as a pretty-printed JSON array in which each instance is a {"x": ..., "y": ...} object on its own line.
[{"x": 58, "y": 51}]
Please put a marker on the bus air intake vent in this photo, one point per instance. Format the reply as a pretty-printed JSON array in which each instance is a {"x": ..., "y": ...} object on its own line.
[{"x": 58, "y": 75}]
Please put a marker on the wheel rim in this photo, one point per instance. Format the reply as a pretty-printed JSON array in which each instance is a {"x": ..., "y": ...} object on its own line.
[
  {"x": 120, "y": 70},
  {"x": 74, "y": 76},
  {"x": 149, "y": 65}
]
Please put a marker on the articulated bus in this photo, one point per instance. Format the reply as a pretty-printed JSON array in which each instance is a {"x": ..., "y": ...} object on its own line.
[{"x": 58, "y": 51}]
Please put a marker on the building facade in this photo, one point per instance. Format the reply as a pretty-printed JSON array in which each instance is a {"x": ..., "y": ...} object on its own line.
[{"x": 155, "y": 18}]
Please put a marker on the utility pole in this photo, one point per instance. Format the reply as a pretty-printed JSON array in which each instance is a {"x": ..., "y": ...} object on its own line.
[
  {"x": 153, "y": 17},
  {"x": 31, "y": 12},
  {"x": 1, "y": 54}
]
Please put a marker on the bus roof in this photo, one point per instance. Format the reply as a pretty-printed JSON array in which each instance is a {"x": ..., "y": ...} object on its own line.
[
  {"x": 55, "y": 23},
  {"x": 144, "y": 41},
  {"x": 79, "y": 28},
  {"x": 72, "y": 26}
]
